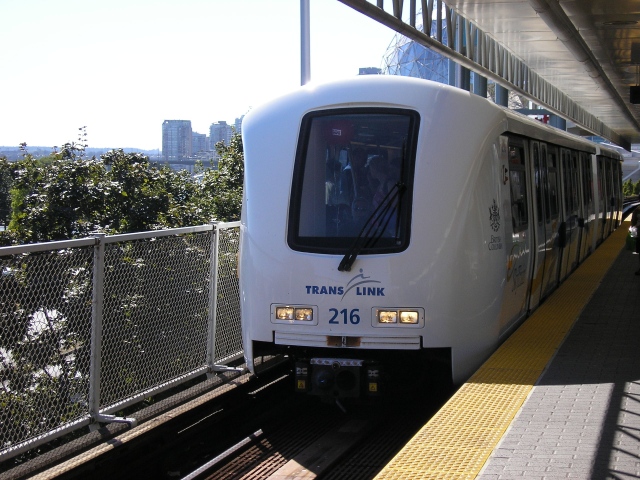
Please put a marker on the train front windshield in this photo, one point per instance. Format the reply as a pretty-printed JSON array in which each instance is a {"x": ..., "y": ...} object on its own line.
[{"x": 353, "y": 181}]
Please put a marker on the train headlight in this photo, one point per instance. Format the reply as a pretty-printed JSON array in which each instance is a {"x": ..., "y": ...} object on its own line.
[
  {"x": 284, "y": 313},
  {"x": 290, "y": 313},
  {"x": 398, "y": 317},
  {"x": 304, "y": 314},
  {"x": 408, "y": 316},
  {"x": 387, "y": 316}
]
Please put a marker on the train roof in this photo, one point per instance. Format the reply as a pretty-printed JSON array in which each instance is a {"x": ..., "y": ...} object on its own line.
[{"x": 418, "y": 94}]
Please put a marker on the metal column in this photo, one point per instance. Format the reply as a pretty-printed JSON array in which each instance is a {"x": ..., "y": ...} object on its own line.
[
  {"x": 502, "y": 96},
  {"x": 305, "y": 43}
]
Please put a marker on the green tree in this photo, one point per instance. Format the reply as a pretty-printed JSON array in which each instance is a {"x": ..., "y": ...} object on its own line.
[
  {"x": 185, "y": 206},
  {"x": 6, "y": 183},
  {"x": 222, "y": 188},
  {"x": 70, "y": 196},
  {"x": 135, "y": 195},
  {"x": 57, "y": 201}
]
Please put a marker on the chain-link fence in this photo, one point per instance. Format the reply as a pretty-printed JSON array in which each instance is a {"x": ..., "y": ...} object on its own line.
[{"x": 90, "y": 326}]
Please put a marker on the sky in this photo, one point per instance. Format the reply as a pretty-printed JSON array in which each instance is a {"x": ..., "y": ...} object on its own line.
[{"x": 122, "y": 67}]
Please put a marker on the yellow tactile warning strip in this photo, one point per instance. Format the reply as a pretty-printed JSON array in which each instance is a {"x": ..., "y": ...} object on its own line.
[{"x": 459, "y": 439}]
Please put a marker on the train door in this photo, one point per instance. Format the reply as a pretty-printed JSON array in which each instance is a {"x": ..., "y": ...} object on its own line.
[
  {"x": 576, "y": 240},
  {"x": 609, "y": 198},
  {"x": 518, "y": 241},
  {"x": 538, "y": 222},
  {"x": 588, "y": 207},
  {"x": 601, "y": 212},
  {"x": 549, "y": 155},
  {"x": 617, "y": 192},
  {"x": 571, "y": 231}
]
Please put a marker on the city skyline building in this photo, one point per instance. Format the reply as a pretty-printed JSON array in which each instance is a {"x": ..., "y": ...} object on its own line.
[
  {"x": 177, "y": 140},
  {"x": 181, "y": 145},
  {"x": 238, "y": 124},
  {"x": 220, "y": 131},
  {"x": 199, "y": 143}
]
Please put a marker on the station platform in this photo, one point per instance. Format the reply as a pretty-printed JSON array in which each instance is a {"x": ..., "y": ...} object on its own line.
[{"x": 559, "y": 399}]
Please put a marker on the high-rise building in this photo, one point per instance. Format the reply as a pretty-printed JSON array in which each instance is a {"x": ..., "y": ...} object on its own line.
[
  {"x": 220, "y": 132},
  {"x": 177, "y": 140},
  {"x": 199, "y": 143},
  {"x": 238, "y": 125}
]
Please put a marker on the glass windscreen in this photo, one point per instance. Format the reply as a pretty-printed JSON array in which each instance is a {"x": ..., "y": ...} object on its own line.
[{"x": 353, "y": 180}]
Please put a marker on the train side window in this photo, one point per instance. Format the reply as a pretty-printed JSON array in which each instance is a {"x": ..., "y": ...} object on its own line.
[
  {"x": 609, "y": 177},
  {"x": 518, "y": 182},
  {"x": 587, "y": 179},
  {"x": 544, "y": 172},
  {"x": 552, "y": 169},
  {"x": 538, "y": 180},
  {"x": 574, "y": 180},
  {"x": 601, "y": 185},
  {"x": 568, "y": 186}
]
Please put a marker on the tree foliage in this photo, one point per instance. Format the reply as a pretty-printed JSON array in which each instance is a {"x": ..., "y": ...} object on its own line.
[
  {"x": 630, "y": 188},
  {"x": 70, "y": 196},
  {"x": 6, "y": 183},
  {"x": 223, "y": 187}
]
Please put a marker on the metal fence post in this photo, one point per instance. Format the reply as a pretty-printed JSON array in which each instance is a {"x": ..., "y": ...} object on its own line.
[
  {"x": 213, "y": 293},
  {"x": 95, "y": 368},
  {"x": 212, "y": 329},
  {"x": 96, "y": 327}
]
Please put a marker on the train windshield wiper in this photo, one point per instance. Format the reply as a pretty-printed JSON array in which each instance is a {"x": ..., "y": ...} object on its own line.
[{"x": 375, "y": 226}]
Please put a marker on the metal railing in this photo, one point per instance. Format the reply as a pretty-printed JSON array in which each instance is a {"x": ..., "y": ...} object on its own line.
[{"x": 91, "y": 326}]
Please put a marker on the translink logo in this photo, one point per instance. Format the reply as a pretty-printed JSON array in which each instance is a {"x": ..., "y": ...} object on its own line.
[{"x": 361, "y": 285}]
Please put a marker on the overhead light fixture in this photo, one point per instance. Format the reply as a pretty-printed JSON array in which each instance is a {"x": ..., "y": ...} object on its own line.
[{"x": 620, "y": 23}]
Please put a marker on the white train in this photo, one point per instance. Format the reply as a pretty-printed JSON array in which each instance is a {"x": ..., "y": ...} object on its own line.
[{"x": 393, "y": 226}]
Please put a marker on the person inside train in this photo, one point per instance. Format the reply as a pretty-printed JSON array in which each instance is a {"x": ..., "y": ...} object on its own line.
[
  {"x": 332, "y": 182},
  {"x": 383, "y": 177},
  {"x": 353, "y": 182}
]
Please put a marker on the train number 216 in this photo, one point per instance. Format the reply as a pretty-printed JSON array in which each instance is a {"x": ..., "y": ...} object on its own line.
[{"x": 347, "y": 316}]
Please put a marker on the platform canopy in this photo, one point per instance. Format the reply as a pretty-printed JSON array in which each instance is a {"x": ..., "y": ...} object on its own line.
[{"x": 577, "y": 58}]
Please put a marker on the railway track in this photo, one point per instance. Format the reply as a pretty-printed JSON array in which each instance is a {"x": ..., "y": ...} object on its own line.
[
  {"x": 315, "y": 443},
  {"x": 319, "y": 440},
  {"x": 267, "y": 431}
]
